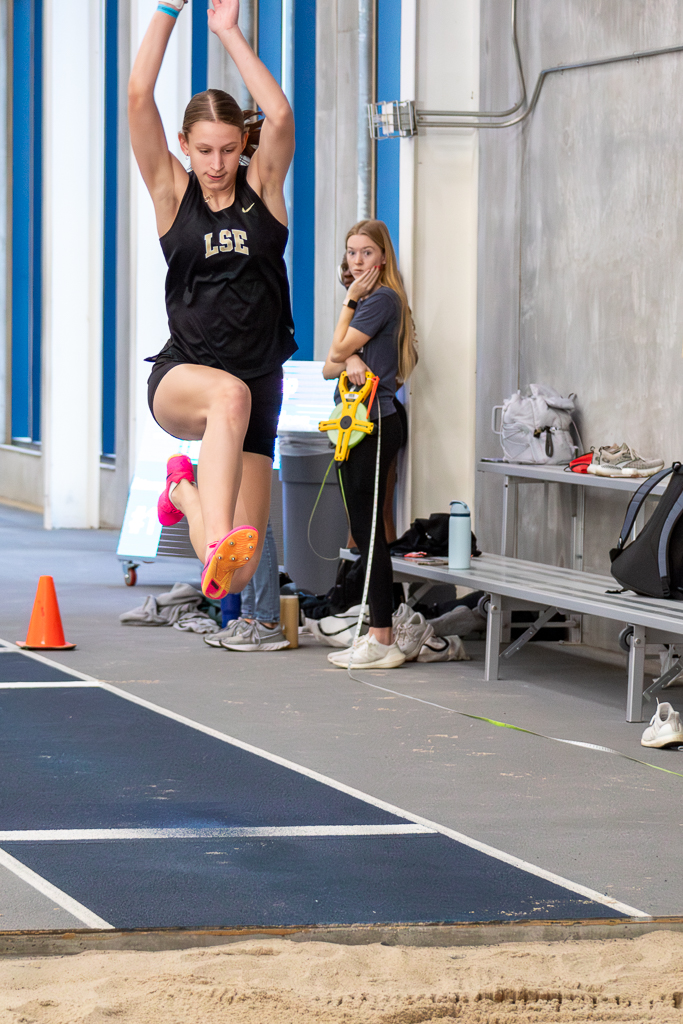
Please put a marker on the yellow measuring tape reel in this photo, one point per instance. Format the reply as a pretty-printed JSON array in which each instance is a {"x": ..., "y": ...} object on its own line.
[{"x": 349, "y": 423}]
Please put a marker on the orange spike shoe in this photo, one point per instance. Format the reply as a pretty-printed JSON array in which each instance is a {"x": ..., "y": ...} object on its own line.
[{"x": 226, "y": 556}]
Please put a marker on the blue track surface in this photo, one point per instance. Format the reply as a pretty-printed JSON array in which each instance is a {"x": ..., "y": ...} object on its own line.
[{"x": 84, "y": 758}]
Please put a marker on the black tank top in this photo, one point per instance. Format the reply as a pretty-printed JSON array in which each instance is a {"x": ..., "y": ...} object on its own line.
[{"x": 227, "y": 294}]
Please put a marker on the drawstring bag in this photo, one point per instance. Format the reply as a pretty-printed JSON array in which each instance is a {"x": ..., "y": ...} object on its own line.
[
  {"x": 536, "y": 428},
  {"x": 652, "y": 564}
]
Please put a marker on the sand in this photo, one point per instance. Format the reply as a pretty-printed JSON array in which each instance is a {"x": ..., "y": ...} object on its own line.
[{"x": 283, "y": 982}]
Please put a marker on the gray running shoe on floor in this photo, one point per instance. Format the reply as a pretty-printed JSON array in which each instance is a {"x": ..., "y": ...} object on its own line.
[
  {"x": 622, "y": 460},
  {"x": 257, "y": 637},
  {"x": 233, "y": 627},
  {"x": 410, "y": 635},
  {"x": 664, "y": 728}
]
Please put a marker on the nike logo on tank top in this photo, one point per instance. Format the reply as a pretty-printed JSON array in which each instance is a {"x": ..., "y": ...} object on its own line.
[{"x": 227, "y": 293}]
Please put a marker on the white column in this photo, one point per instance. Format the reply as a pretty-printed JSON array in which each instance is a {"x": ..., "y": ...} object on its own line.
[
  {"x": 444, "y": 259},
  {"x": 149, "y": 323},
  {"x": 72, "y": 260}
]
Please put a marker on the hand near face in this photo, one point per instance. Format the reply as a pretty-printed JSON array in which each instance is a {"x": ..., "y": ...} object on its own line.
[
  {"x": 364, "y": 284},
  {"x": 224, "y": 15}
]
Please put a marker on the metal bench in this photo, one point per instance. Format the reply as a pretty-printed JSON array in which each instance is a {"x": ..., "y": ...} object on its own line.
[{"x": 514, "y": 584}]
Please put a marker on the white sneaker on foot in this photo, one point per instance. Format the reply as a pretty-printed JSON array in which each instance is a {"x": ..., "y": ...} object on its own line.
[
  {"x": 368, "y": 654},
  {"x": 257, "y": 637},
  {"x": 233, "y": 627},
  {"x": 664, "y": 728},
  {"x": 410, "y": 634}
]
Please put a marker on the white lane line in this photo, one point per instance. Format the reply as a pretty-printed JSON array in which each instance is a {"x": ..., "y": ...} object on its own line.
[
  {"x": 50, "y": 835},
  {"x": 459, "y": 837},
  {"x": 43, "y": 686},
  {"x": 52, "y": 892}
]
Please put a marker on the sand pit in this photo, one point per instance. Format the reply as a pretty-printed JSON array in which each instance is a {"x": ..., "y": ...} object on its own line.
[{"x": 283, "y": 982}]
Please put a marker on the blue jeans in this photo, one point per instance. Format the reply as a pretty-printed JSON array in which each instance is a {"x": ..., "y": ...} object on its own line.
[{"x": 261, "y": 596}]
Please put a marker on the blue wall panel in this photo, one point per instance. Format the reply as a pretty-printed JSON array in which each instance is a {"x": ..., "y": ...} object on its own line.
[
  {"x": 303, "y": 219},
  {"x": 388, "y": 88},
  {"x": 200, "y": 44},
  {"x": 111, "y": 153},
  {"x": 26, "y": 218},
  {"x": 270, "y": 36}
]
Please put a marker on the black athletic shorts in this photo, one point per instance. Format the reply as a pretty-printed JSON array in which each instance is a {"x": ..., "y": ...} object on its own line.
[{"x": 266, "y": 402}]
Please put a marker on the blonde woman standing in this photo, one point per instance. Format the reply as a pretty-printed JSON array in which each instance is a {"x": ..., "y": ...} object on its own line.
[{"x": 374, "y": 332}]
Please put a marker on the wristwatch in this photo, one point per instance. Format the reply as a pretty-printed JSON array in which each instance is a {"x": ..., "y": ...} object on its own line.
[{"x": 351, "y": 303}]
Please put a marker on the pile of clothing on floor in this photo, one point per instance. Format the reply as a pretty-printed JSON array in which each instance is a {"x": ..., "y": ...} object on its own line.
[{"x": 182, "y": 607}]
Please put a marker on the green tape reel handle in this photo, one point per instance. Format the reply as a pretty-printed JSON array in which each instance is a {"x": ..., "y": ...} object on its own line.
[{"x": 356, "y": 435}]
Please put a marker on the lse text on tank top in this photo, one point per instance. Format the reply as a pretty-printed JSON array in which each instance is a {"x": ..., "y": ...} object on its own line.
[{"x": 227, "y": 294}]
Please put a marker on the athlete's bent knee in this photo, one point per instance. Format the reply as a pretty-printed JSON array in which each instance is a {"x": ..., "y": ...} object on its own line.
[{"x": 231, "y": 402}]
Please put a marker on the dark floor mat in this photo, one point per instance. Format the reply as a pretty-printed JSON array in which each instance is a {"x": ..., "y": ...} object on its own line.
[{"x": 18, "y": 668}]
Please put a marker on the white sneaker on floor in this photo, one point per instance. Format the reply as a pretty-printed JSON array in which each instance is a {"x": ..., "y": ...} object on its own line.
[
  {"x": 664, "y": 728},
  {"x": 257, "y": 637},
  {"x": 368, "y": 654},
  {"x": 233, "y": 627},
  {"x": 402, "y": 614},
  {"x": 443, "y": 648},
  {"x": 410, "y": 634}
]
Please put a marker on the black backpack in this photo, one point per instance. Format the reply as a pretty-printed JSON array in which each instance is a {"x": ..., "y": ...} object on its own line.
[{"x": 652, "y": 564}]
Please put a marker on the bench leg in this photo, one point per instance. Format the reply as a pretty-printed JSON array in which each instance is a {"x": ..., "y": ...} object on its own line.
[
  {"x": 636, "y": 676},
  {"x": 493, "y": 634}
]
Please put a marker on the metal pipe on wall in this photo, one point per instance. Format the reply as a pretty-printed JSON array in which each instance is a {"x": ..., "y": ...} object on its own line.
[
  {"x": 367, "y": 88},
  {"x": 422, "y": 116}
]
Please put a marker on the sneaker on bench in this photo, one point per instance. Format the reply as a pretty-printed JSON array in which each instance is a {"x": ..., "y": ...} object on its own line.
[{"x": 622, "y": 460}]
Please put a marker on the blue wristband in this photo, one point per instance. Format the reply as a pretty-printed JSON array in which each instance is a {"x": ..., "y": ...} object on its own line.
[{"x": 165, "y": 9}]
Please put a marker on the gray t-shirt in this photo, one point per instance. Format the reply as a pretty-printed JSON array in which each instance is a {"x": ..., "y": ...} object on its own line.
[{"x": 379, "y": 316}]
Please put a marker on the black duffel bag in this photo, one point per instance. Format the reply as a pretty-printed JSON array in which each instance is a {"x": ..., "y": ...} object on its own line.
[{"x": 652, "y": 564}]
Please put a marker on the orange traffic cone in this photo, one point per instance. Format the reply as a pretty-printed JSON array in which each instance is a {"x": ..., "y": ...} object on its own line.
[{"x": 45, "y": 628}]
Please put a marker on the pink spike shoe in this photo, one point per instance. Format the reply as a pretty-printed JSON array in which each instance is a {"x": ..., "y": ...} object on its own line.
[
  {"x": 178, "y": 468},
  {"x": 225, "y": 556}
]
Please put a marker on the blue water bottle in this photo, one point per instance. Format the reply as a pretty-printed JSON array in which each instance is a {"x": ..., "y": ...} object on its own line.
[{"x": 459, "y": 536}]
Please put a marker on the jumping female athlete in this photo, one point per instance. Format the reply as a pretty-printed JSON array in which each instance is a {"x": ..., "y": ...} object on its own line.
[
  {"x": 223, "y": 231},
  {"x": 374, "y": 332}
]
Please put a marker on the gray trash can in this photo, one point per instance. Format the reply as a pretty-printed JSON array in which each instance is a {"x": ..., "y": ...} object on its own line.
[{"x": 304, "y": 460}]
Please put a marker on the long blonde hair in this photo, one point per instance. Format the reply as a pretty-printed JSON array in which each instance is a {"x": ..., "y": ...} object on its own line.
[{"x": 377, "y": 232}]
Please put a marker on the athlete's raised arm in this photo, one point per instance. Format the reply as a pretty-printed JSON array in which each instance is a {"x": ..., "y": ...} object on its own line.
[
  {"x": 163, "y": 174},
  {"x": 269, "y": 165}
]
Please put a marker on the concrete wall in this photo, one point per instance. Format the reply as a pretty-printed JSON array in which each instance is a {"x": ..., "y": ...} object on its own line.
[{"x": 579, "y": 263}]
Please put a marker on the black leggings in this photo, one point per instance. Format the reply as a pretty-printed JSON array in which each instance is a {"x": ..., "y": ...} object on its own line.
[{"x": 358, "y": 480}]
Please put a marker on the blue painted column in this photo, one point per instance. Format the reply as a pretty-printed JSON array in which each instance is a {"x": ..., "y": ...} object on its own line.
[
  {"x": 109, "y": 277},
  {"x": 303, "y": 184},
  {"x": 388, "y": 88},
  {"x": 200, "y": 45},
  {"x": 26, "y": 213}
]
